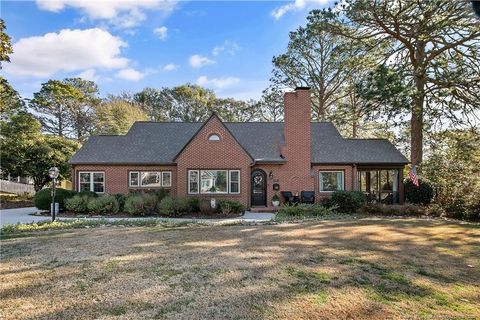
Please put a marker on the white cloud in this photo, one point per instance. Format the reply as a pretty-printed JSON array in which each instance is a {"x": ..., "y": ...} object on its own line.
[
  {"x": 170, "y": 67},
  {"x": 296, "y": 5},
  {"x": 161, "y": 32},
  {"x": 218, "y": 83},
  {"x": 198, "y": 61},
  {"x": 88, "y": 74},
  {"x": 130, "y": 74},
  {"x": 231, "y": 47},
  {"x": 122, "y": 13},
  {"x": 68, "y": 50}
]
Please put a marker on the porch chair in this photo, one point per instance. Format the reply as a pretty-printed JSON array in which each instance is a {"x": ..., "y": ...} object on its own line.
[
  {"x": 307, "y": 196},
  {"x": 287, "y": 197}
]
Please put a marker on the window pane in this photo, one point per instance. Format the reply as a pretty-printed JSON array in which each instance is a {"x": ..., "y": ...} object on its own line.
[
  {"x": 98, "y": 177},
  {"x": 84, "y": 186},
  {"x": 234, "y": 176},
  {"x": 235, "y": 181},
  {"x": 150, "y": 179},
  {"x": 98, "y": 186},
  {"x": 213, "y": 181},
  {"x": 166, "y": 179},
  {"x": 331, "y": 181},
  {"x": 234, "y": 187},
  {"x": 85, "y": 177},
  {"x": 193, "y": 185},
  {"x": 134, "y": 179}
]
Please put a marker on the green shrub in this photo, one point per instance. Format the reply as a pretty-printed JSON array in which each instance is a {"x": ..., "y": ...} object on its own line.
[
  {"x": 394, "y": 210},
  {"x": 182, "y": 206},
  {"x": 77, "y": 203},
  {"x": 174, "y": 206},
  {"x": 162, "y": 193},
  {"x": 303, "y": 210},
  {"x": 194, "y": 204},
  {"x": 167, "y": 206},
  {"x": 89, "y": 194},
  {"x": 103, "y": 205},
  {"x": 205, "y": 207},
  {"x": 230, "y": 206},
  {"x": 141, "y": 203},
  {"x": 346, "y": 201},
  {"x": 121, "y": 201},
  {"x": 421, "y": 195},
  {"x": 134, "y": 204},
  {"x": 43, "y": 198}
]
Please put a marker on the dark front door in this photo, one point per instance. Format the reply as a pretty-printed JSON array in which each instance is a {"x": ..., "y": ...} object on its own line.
[{"x": 259, "y": 188}]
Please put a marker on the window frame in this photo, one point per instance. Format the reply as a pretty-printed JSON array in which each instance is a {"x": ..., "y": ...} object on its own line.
[
  {"x": 199, "y": 182},
  {"x": 189, "y": 181},
  {"x": 214, "y": 137},
  {"x": 130, "y": 179},
  {"x": 230, "y": 181},
  {"x": 91, "y": 181},
  {"x": 320, "y": 180},
  {"x": 140, "y": 185},
  {"x": 169, "y": 179}
]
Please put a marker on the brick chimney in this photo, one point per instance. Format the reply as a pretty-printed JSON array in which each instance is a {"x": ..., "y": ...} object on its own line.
[{"x": 297, "y": 148}]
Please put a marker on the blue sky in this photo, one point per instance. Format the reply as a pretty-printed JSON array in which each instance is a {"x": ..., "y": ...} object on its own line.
[{"x": 127, "y": 45}]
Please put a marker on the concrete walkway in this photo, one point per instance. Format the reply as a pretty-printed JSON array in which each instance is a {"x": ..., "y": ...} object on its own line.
[
  {"x": 24, "y": 215},
  {"x": 19, "y": 215}
]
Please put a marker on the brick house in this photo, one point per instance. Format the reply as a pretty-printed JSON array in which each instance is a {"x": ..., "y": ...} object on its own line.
[{"x": 249, "y": 161}]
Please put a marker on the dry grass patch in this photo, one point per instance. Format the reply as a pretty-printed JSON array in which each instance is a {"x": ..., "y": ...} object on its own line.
[{"x": 362, "y": 269}]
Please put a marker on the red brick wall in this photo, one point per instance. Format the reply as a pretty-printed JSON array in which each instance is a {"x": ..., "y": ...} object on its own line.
[
  {"x": 201, "y": 153},
  {"x": 116, "y": 176}
]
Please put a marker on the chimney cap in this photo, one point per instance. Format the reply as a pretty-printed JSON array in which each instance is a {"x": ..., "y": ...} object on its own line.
[{"x": 302, "y": 88}]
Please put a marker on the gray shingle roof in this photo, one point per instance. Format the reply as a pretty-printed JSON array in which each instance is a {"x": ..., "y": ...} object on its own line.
[{"x": 160, "y": 142}]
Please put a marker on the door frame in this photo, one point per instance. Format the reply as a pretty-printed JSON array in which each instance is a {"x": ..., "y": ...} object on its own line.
[{"x": 264, "y": 174}]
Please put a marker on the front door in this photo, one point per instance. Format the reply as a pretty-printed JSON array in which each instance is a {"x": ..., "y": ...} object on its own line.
[{"x": 259, "y": 188}]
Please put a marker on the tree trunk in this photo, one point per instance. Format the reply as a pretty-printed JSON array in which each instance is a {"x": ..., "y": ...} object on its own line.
[{"x": 416, "y": 122}]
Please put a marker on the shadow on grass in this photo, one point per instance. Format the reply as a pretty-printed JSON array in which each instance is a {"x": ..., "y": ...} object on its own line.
[{"x": 243, "y": 271}]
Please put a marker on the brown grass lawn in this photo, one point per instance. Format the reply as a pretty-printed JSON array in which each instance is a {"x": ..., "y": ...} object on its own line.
[{"x": 339, "y": 269}]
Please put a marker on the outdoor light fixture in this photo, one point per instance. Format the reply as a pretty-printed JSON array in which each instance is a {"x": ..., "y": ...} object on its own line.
[
  {"x": 53, "y": 173},
  {"x": 270, "y": 175}
]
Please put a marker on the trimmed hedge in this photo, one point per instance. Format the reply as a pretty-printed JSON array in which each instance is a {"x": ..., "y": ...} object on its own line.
[
  {"x": 346, "y": 201},
  {"x": 77, "y": 203},
  {"x": 421, "y": 195},
  {"x": 141, "y": 203},
  {"x": 230, "y": 206},
  {"x": 103, "y": 205},
  {"x": 43, "y": 198}
]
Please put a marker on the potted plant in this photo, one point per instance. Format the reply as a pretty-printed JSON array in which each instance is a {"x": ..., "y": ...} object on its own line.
[{"x": 276, "y": 200}]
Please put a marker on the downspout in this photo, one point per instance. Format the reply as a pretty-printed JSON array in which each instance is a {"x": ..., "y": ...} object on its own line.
[{"x": 354, "y": 178}]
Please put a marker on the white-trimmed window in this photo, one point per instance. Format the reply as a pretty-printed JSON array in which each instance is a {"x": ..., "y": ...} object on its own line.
[
  {"x": 150, "y": 179},
  {"x": 134, "y": 178},
  {"x": 91, "y": 181},
  {"x": 193, "y": 181},
  {"x": 166, "y": 179},
  {"x": 214, "y": 181},
  {"x": 214, "y": 137},
  {"x": 331, "y": 181},
  {"x": 234, "y": 181}
]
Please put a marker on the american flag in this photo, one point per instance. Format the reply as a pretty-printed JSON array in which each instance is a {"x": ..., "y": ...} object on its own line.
[{"x": 413, "y": 176}]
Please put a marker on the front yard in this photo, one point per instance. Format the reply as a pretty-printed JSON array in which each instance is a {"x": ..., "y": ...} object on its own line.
[{"x": 359, "y": 269}]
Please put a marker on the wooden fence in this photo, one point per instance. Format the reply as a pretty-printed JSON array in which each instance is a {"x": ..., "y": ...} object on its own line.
[{"x": 16, "y": 187}]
